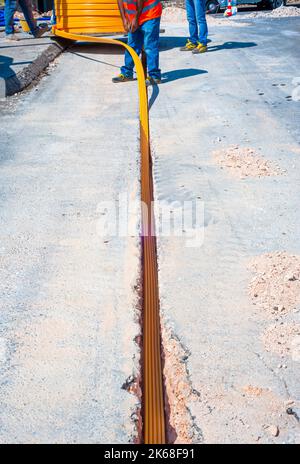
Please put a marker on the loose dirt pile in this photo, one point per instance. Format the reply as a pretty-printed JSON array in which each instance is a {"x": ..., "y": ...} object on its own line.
[
  {"x": 179, "y": 392},
  {"x": 244, "y": 162},
  {"x": 282, "y": 12},
  {"x": 275, "y": 289},
  {"x": 283, "y": 339}
]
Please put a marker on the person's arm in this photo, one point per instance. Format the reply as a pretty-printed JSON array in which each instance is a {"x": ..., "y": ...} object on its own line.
[
  {"x": 123, "y": 16},
  {"x": 135, "y": 21}
]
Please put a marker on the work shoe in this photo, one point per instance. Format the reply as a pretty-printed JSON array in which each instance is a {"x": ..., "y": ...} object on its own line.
[
  {"x": 122, "y": 78},
  {"x": 200, "y": 49},
  {"x": 152, "y": 81},
  {"x": 41, "y": 30},
  {"x": 11, "y": 38},
  {"x": 189, "y": 47}
]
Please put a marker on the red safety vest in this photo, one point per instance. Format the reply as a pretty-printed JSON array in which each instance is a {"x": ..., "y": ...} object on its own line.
[{"x": 152, "y": 9}]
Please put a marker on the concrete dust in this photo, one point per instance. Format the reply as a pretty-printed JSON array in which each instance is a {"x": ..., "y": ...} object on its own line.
[
  {"x": 244, "y": 162},
  {"x": 179, "y": 391},
  {"x": 253, "y": 391},
  {"x": 173, "y": 14},
  {"x": 177, "y": 15},
  {"x": 247, "y": 411},
  {"x": 275, "y": 288},
  {"x": 282, "y": 339}
]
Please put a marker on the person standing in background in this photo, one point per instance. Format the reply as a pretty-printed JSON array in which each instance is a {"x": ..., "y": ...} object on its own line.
[
  {"x": 26, "y": 7},
  {"x": 141, "y": 19},
  {"x": 196, "y": 16}
]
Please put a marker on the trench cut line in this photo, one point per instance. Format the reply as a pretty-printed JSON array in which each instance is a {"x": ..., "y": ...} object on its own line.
[{"x": 75, "y": 20}]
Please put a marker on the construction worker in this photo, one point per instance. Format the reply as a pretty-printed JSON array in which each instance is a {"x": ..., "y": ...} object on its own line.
[
  {"x": 141, "y": 19},
  {"x": 196, "y": 16}
]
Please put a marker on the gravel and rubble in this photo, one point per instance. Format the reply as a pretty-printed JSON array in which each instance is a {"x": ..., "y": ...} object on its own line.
[
  {"x": 173, "y": 14},
  {"x": 275, "y": 288},
  {"x": 243, "y": 162}
]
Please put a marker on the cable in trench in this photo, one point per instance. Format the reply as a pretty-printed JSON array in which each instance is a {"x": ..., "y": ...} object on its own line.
[{"x": 154, "y": 431}]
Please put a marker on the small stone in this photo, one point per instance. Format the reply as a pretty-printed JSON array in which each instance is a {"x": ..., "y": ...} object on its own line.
[{"x": 273, "y": 430}]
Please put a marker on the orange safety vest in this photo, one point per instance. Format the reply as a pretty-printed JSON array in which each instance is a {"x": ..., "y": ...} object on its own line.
[{"x": 152, "y": 9}]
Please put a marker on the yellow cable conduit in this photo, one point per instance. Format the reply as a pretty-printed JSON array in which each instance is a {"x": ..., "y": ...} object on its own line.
[{"x": 75, "y": 19}]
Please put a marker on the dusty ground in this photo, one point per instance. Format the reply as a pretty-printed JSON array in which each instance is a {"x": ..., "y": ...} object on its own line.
[
  {"x": 275, "y": 288},
  {"x": 244, "y": 162},
  {"x": 67, "y": 293},
  {"x": 68, "y": 297},
  {"x": 232, "y": 383}
]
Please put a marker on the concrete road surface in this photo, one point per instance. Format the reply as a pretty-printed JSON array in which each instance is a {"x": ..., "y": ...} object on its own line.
[
  {"x": 68, "y": 308},
  {"x": 240, "y": 93}
]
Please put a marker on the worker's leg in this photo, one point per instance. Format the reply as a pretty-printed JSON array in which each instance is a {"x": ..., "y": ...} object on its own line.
[
  {"x": 27, "y": 12},
  {"x": 192, "y": 19},
  {"x": 150, "y": 31},
  {"x": 9, "y": 11},
  {"x": 201, "y": 19},
  {"x": 135, "y": 40}
]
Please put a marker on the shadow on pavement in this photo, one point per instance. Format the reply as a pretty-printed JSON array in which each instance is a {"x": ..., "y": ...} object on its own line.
[
  {"x": 181, "y": 74},
  {"x": 5, "y": 67},
  {"x": 231, "y": 46}
]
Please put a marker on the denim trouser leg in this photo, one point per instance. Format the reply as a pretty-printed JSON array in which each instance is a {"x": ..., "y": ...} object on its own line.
[
  {"x": 201, "y": 19},
  {"x": 191, "y": 17},
  {"x": 135, "y": 40},
  {"x": 9, "y": 11},
  {"x": 147, "y": 35},
  {"x": 27, "y": 12},
  {"x": 150, "y": 31}
]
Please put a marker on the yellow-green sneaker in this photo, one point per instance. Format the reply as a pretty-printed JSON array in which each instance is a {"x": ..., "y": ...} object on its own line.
[
  {"x": 200, "y": 49},
  {"x": 152, "y": 81},
  {"x": 122, "y": 78},
  {"x": 189, "y": 47}
]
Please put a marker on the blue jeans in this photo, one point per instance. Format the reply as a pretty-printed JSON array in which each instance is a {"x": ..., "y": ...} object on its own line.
[
  {"x": 147, "y": 36},
  {"x": 11, "y": 8},
  {"x": 196, "y": 16}
]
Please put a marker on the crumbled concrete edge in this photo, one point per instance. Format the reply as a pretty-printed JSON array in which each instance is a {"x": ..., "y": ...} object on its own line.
[
  {"x": 134, "y": 300},
  {"x": 179, "y": 391},
  {"x": 30, "y": 73}
]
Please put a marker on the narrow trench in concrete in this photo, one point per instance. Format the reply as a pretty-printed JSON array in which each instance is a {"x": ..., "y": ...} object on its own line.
[{"x": 176, "y": 387}]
